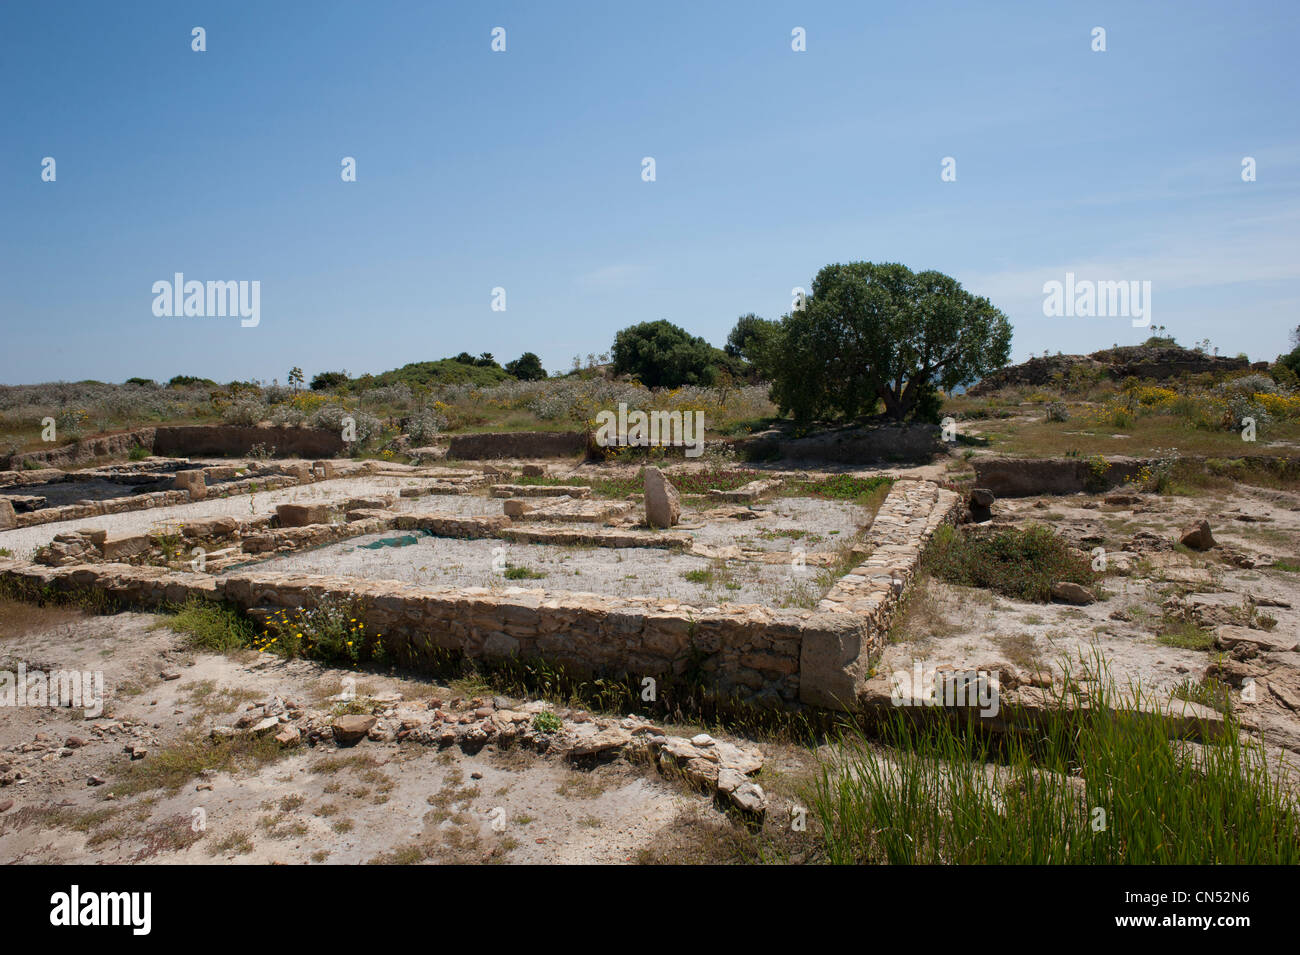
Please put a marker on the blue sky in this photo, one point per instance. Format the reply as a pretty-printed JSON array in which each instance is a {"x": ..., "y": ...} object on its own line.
[{"x": 522, "y": 170}]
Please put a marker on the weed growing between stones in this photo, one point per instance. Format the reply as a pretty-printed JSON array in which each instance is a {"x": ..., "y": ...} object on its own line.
[{"x": 1097, "y": 782}]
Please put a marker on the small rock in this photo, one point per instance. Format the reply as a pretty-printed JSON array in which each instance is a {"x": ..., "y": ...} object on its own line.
[
  {"x": 1072, "y": 593},
  {"x": 288, "y": 736},
  {"x": 170, "y": 674},
  {"x": 350, "y": 729},
  {"x": 1197, "y": 536},
  {"x": 1120, "y": 498},
  {"x": 264, "y": 726},
  {"x": 94, "y": 781}
]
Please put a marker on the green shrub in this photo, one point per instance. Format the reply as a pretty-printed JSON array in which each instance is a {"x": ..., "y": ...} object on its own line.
[
  {"x": 217, "y": 628},
  {"x": 547, "y": 722},
  {"x": 329, "y": 380},
  {"x": 662, "y": 355},
  {"x": 1019, "y": 563},
  {"x": 522, "y": 573}
]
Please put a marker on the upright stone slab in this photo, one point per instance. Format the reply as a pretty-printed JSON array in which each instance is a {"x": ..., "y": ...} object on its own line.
[
  {"x": 193, "y": 481},
  {"x": 7, "y": 517},
  {"x": 662, "y": 502}
]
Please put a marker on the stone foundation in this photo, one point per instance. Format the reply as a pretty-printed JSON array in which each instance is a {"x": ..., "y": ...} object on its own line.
[{"x": 769, "y": 656}]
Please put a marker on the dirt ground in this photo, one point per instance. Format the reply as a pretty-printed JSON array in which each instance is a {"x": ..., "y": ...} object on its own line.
[
  {"x": 369, "y": 802},
  {"x": 973, "y": 628}
]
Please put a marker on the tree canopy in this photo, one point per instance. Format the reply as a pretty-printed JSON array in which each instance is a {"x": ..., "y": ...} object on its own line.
[
  {"x": 527, "y": 367},
  {"x": 662, "y": 355},
  {"x": 881, "y": 333}
]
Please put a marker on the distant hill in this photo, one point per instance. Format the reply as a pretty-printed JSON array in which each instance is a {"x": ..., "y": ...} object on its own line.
[
  {"x": 446, "y": 371},
  {"x": 1157, "y": 360}
]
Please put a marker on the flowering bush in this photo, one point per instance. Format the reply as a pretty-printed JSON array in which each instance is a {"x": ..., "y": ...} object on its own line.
[
  {"x": 423, "y": 425},
  {"x": 244, "y": 411},
  {"x": 287, "y": 416},
  {"x": 332, "y": 632},
  {"x": 331, "y": 418}
]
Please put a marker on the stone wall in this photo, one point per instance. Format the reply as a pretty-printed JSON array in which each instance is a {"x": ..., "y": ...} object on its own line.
[
  {"x": 774, "y": 657},
  {"x": 517, "y": 444},
  {"x": 871, "y": 592},
  {"x": 87, "y": 449},
  {"x": 1024, "y": 477},
  {"x": 143, "y": 502},
  {"x": 848, "y": 445},
  {"x": 233, "y": 441}
]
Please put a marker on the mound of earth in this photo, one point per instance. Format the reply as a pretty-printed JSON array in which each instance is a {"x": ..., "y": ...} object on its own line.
[{"x": 1155, "y": 362}]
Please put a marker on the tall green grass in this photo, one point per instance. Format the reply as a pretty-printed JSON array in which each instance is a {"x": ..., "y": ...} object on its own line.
[
  {"x": 214, "y": 627},
  {"x": 1096, "y": 782}
]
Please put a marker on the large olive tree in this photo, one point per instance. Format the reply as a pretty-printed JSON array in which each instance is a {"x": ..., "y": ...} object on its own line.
[{"x": 874, "y": 333}]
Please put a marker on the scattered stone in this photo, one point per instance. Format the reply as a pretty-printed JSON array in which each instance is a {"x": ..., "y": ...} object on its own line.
[
  {"x": 350, "y": 729},
  {"x": 1269, "y": 641},
  {"x": 95, "y": 781},
  {"x": 289, "y": 736},
  {"x": 601, "y": 742},
  {"x": 1072, "y": 593},
  {"x": 264, "y": 726},
  {"x": 516, "y": 507},
  {"x": 742, "y": 792},
  {"x": 6, "y": 805},
  {"x": 302, "y": 515},
  {"x": 1145, "y": 542},
  {"x": 1122, "y": 498},
  {"x": 1197, "y": 536},
  {"x": 117, "y": 548},
  {"x": 976, "y": 512}
]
